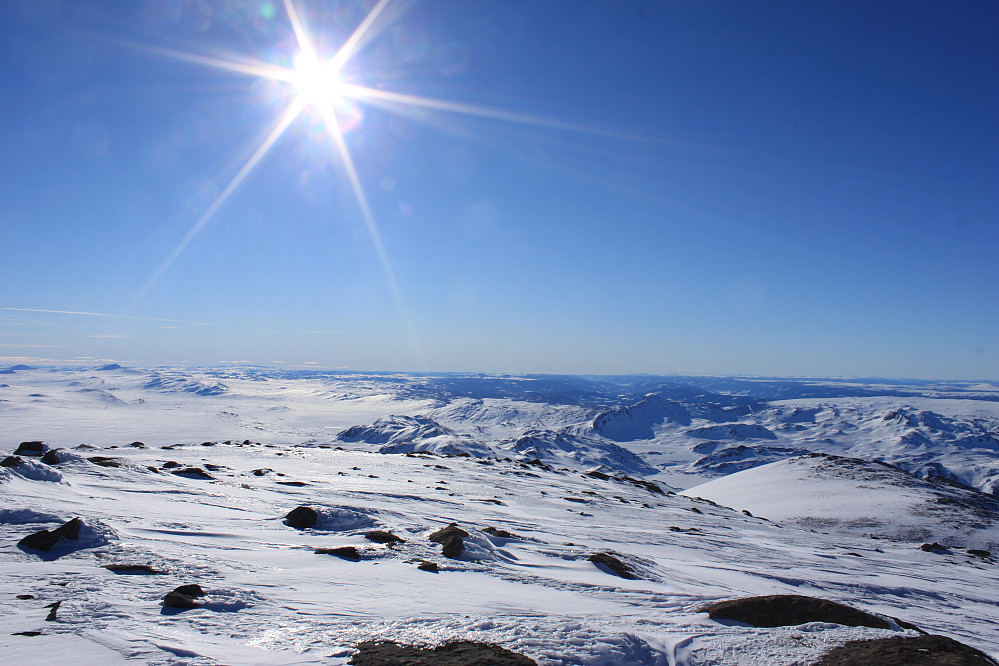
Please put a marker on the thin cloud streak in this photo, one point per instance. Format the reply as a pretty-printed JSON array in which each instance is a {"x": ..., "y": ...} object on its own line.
[{"x": 103, "y": 314}]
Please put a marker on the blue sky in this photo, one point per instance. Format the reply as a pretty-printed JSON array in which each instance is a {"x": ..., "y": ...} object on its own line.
[{"x": 775, "y": 188}]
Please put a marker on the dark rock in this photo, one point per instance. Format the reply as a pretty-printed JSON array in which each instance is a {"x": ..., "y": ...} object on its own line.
[
  {"x": 215, "y": 468},
  {"x": 26, "y": 633},
  {"x": 295, "y": 484},
  {"x": 597, "y": 475},
  {"x": 25, "y": 597},
  {"x": 260, "y": 472},
  {"x": 618, "y": 567},
  {"x": 190, "y": 590},
  {"x": 69, "y": 530},
  {"x": 695, "y": 509},
  {"x": 917, "y": 651},
  {"x": 31, "y": 449},
  {"x": 170, "y": 464},
  {"x": 105, "y": 461},
  {"x": 138, "y": 445},
  {"x": 141, "y": 569},
  {"x": 175, "y": 599},
  {"x": 207, "y": 443},
  {"x": 45, "y": 539},
  {"x": 53, "y": 611},
  {"x": 452, "y": 546},
  {"x": 979, "y": 553},
  {"x": 193, "y": 473},
  {"x": 345, "y": 552},
  {"x": 934, "y": 548},
  {"x": 51, "y": 458},
  {"x": 443, "y": 533},
  {"x": 451, "y": 538},
  {"x": 426, "y": 565},
  {"x": 457, "y": 653},
  {"x": 499, "y": 534},
  {"x": 301, "y": 517},
  {"x": 642, "y": 483},
  {"x": 11, "y": 461},
  {"x": 780, "y": 610},
  {"x": 379, "y": 536}
]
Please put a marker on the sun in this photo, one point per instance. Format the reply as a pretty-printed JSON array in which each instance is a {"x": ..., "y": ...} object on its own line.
[{"x": 317, "y": 82}]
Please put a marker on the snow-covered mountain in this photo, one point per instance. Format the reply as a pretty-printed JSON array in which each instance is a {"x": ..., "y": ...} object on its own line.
[
  {"x": 574, "y": 548},
  {"x": 868, "y": 499}
]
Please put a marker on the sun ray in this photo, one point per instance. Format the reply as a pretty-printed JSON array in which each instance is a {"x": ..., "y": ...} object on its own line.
[
  {"x": 354, "y": 42},
  {"x": 255, "y": 69},
  {"x": 386, "y": 99},
  {"x": 333, "y": 126},
  {"x": 301, "y": 36},
  {"x": 292, "y": 112}
]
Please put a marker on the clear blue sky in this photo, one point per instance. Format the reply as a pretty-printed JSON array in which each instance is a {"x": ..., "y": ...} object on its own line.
[{"x": 778, "y": 188}]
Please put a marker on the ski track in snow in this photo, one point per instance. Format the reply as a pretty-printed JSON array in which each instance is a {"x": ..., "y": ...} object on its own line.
[{"x": 272, "y": 600}]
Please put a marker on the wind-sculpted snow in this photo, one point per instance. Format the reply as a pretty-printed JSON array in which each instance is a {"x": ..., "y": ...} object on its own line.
[
  {"x": 526, "y": 578},
  {"x": 32, "y": 470}
]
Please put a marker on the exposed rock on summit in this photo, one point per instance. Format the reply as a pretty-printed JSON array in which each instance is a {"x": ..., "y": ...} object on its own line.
[{"x": 779, "y": 610}]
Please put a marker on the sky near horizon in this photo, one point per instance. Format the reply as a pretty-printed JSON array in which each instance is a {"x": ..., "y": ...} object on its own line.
[{"x": 771, "y": 188}]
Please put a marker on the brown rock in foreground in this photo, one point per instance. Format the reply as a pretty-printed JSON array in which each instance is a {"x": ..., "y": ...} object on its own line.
[
  {"x": 918, "y": 651},
  {"x": 301, "y": 517},
  {"x": 782, "y": 610},
  {"x": 45, "y": 539},
  {"x": 183, "y": 597},
  {"x": 458, "y": 653},
  {"x": 451, "y": 538},
  {"x": 616, "y": 566}
]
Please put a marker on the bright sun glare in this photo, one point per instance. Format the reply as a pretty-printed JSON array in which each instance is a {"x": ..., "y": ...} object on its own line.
[
  {"x": 316, "y": 82},
  {"x": 318, "y": 87}
]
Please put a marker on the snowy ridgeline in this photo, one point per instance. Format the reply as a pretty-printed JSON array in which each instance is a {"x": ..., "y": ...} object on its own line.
[
  {"x": 571, "y": 547},
  {"x": 685, "y": 429}
]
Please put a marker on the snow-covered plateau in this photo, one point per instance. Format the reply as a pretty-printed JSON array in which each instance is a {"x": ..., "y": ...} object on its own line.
[{"x": 597, "y": 517}]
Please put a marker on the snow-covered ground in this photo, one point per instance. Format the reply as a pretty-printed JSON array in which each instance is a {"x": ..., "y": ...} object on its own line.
[{"x": 275, "y": 438}]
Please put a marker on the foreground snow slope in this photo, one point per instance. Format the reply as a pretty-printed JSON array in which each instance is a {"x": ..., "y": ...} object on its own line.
[{"x": 273, "y": 600}]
